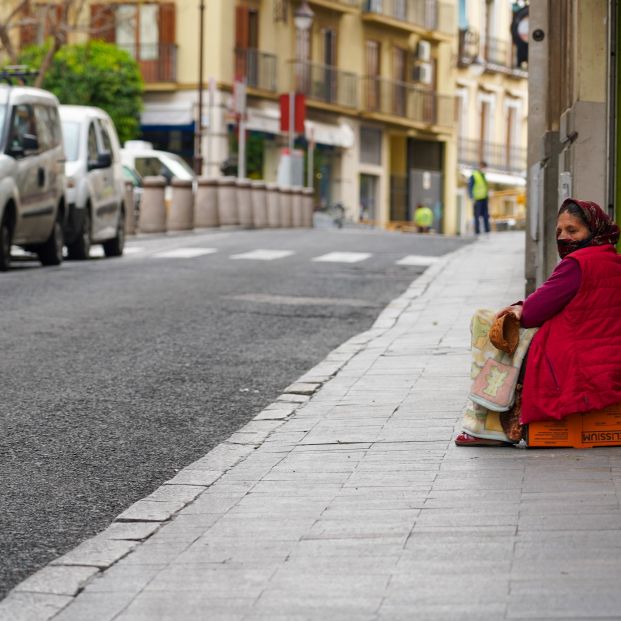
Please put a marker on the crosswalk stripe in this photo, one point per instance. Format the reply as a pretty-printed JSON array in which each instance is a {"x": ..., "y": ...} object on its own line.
[
  {"x": 343, "y": 257},
  {"x": 263, "y": 255},
  {"x": 417, "y": 260},
  {"x": 132, "y": 250},
  {"x": 184, "y": 253}
]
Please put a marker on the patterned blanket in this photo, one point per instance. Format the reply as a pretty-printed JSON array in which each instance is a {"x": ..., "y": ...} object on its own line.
[{"x": 494, "y": 375}]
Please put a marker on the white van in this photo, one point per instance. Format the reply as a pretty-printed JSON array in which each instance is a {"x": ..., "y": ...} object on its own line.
[
  {"x": 95, "y": 182},
  {"x": 150, "y": 162},
  {"x": 32, "y": 175}
]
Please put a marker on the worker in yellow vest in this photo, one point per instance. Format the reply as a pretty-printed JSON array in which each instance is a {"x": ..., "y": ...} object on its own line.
[
  {"x": 478, "y": 190},
  {"x": 423, "y": 218}
]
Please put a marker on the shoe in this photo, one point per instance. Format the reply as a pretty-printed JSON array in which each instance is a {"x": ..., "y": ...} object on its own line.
[{"x": 465, "y": 439}]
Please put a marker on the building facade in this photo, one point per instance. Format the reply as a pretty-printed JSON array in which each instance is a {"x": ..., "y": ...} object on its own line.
[
  {"x": 491, "y": 111},
  {"x": 574, "y": 129},
  {"x": 378, "y": 78}
]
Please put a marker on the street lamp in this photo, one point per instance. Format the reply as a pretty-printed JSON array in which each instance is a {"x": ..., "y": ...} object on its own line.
[
  {"x": 303, "y": 20},
  {"x": 198, "y": 135},
  {"x": 303, "y": 17}
]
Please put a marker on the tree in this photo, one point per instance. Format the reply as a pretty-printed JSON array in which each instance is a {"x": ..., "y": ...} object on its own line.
[
  {"x": 94, "y": 74},
  {"x": 55, "y": 20}
]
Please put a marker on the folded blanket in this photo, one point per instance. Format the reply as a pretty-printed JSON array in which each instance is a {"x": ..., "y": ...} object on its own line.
[{"x": 494, "y": 374}]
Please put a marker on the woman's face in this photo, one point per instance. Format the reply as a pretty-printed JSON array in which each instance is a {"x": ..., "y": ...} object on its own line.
[{"x": 571, "y": 228}]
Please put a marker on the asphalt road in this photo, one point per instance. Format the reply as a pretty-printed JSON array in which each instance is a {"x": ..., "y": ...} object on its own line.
[{"x": 117, "y": 373}]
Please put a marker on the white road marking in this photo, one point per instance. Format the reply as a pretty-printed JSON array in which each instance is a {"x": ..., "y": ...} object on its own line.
[
  {"x": 343, "y": 257},
  {"x": 184, "y": 253},
  {"x": 132, "y": 250},
  {"x": 263, "y": 255},
  {"x": 418, "y": 260}
]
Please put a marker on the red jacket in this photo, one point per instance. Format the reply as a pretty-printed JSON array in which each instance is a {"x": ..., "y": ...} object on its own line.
[{"x": 574, "y": 361}]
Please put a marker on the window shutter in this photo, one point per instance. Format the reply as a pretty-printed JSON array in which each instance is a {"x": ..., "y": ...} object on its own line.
[
  {"x": 28, "y": 27},
  {"x": 103, "y": 23},
  {"x": 242, "y": 32},
  {"x": 167, "y": 23}
]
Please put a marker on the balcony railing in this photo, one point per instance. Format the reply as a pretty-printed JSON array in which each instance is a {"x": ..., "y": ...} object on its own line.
[
  {"x": 406, "y": 100},
  {"x": 498, "y": 157},
  {"x": 468, "y": 46},
  {"x": 158, "y": 62},
  {"x": 427, "y": 14},
  {"x": 497, "y": 52},
  {"x": 337, "y": 4},
  {"x": 325, "y": 83},
  {"x": 257, "y": 68}
]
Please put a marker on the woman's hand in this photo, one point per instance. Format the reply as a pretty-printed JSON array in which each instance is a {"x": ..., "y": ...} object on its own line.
[{"x": 516, "y": 309}]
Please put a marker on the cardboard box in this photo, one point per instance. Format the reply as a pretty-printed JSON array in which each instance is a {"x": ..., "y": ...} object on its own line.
[{"x": 599, "y": 428}]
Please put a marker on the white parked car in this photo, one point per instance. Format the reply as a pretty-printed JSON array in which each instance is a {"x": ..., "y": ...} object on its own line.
[
  {"x": 32, "y": 176},
  {"x": 95, "y": 182},
  {"x": 151, "y": 162}
]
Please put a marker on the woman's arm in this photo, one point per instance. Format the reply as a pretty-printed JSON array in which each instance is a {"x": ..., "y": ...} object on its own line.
[{"x": 550, "y": 298}]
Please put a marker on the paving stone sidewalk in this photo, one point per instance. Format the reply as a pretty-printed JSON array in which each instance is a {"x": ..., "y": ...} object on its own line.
[{"x": 347, "y": 499}]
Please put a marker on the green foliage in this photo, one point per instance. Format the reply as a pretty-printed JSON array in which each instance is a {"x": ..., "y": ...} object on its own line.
[{"x": 95, "y": 74}]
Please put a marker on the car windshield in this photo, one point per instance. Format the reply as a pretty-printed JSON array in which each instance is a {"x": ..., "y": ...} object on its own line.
[
  {"x": 4, "y": 106},
  {"x": 71, "y": 140},
  {"x": 178, "y": 167}
]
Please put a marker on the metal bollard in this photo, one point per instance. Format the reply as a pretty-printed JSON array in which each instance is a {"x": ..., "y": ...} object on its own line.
[
  {"x": 273, "y": 205},
  {"x": 206, "y": 204},
  {"x": 128, "y": 202},
  {"x": 244, "y": 203},
  {"x": 296, "y": 206},
  {"x": 284, "y": 206},
  {"x": 308, "y": 207},
  {"x": 228, "y": 213},
  {"x": 181, "y": 212},
  {"x": 258, "y": 194},
  {"x": 153, "y": 207}
]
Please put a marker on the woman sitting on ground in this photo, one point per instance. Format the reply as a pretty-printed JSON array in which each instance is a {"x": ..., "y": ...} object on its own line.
[{"x": 574, "y": 361}]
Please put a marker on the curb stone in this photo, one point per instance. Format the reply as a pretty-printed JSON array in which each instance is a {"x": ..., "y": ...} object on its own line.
[{"x": 44, "y": 594}]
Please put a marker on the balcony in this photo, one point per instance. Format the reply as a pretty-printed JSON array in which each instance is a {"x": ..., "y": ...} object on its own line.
[
  {"x": 325, "y": 83},
  {"x": 409, "y": 102},
  {"x": 498, "y": 157},
  {"x": 340, "y": 6},
  {"x": 257, "y": 68},
  {"x": 157, "y": 62},
  {"x": 468, "y": 47},
  {"x": 500, "y": 56},
  {"x": 412, "y": 15}
]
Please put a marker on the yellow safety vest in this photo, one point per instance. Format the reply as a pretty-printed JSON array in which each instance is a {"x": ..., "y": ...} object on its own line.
[
  {"x": 479, "y": 189},
  {"x": 423, "y": 217}
]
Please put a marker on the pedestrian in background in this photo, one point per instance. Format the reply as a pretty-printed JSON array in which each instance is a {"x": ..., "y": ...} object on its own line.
[
  {"x": 423, "y": 218},
  {"x": 478, "y": 190}
]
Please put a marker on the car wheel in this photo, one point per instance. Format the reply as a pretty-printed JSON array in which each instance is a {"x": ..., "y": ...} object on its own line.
[
  {"x": 51, "y": 252},
  {"x": 5, "y": 245},
  {"x": 114, "y": 247},
  {"x": 80, "y": 249}
]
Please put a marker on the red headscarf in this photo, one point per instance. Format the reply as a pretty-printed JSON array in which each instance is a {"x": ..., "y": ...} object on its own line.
[{"x": 603, "y": 229}]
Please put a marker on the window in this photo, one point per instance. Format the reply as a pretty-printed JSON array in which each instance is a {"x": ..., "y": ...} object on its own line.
[
  {"x": 146, "y": 30},
  {"x": 105, "y": 138},
  {"x": 71, "y": 139},
  {"x": 38, "y": 23},
  {"x": 372, "y": 52},
  {"x": 44, "y": 129},
  {"x": 370, "y": 145},
  {"x": 22, "y": 124},
  {"x": 92, "y": 151},
  {"x": 463, "y": 14},
  {"x": 137, "y": 30}
]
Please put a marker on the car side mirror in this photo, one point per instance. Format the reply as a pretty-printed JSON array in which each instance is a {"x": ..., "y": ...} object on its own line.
[{"x": 104, "y": 160}]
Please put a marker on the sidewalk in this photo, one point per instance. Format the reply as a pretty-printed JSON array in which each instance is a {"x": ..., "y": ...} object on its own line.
[{"x": 354, "y": 503}]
